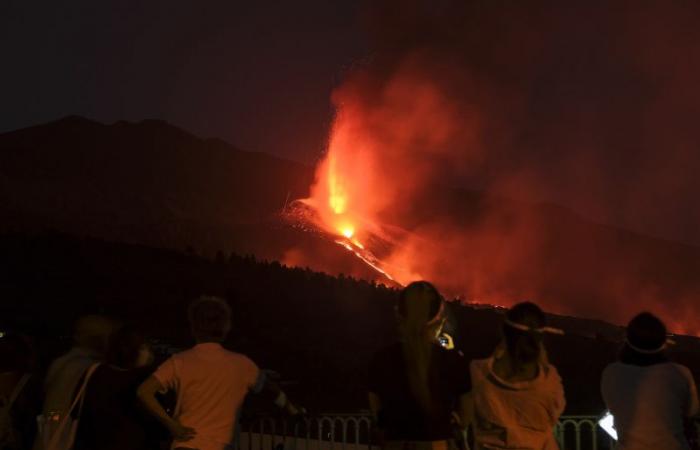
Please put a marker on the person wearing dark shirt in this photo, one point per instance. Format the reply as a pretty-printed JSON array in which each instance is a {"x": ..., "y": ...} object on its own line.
[
  {"x": 20, "y": 393},
  {"x": 416, "y": 387},
  {"x": 111, "y": 417}
]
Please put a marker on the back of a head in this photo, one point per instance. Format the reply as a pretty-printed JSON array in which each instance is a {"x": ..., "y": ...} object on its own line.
[
  {"x": 647, "y": 333},
  {"x": 419, "y": 303},
  {"x": 523, "y": 345},
  {"x": 125, "y": 345},
  {"x": 92, "y": 333},
  {"x": 210, "y": 319}
]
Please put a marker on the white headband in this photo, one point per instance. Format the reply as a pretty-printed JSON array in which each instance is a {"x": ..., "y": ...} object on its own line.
[
  {"x": 521, "y": 327},
  {"x": 643, "y": 351}
]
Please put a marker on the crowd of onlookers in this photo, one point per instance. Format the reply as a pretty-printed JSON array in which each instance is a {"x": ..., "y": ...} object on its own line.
[{"x": 107, "y": 393}]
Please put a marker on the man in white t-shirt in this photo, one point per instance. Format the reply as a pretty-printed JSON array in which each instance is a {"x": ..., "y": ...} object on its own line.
[
  {"x": 211, "y": 383},
  {"x": 649, "y": 396}
]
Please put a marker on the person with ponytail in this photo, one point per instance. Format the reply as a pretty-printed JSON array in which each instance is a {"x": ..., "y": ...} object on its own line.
[
  {"x": 517, "y": 395},
  {"x": 416, "y": 387},
  {"x": 649, "y": 396}
]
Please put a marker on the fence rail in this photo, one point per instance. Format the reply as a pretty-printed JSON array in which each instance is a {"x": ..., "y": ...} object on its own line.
[{"x": 354, "y": 432}]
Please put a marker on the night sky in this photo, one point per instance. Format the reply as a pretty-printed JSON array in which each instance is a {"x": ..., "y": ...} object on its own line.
[
  {"x": 257, "y": 74},
  {"x": 589, "y": 104}
]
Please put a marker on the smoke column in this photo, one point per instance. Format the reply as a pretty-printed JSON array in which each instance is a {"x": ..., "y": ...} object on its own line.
[{"x": 589, "y": 104}]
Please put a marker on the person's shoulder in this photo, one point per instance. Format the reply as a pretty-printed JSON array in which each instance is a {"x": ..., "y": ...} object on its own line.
[
  {"x": 239, "y": 359},
  {"x": 614, "y": 367},
  {"x": 551, "y": 374},
  {"x": 681, "y": 370},
  {"x": 616, "y": 372},
  {"x": 479, "y": 365}
]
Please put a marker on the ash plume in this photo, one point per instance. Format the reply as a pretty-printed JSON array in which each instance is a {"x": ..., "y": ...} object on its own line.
[{"x": 591, "y": 105}]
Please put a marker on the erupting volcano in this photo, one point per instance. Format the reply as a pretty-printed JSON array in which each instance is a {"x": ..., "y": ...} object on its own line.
[
  {"x": 385, "y": 192},
  {"x": 372, "y": 165}
]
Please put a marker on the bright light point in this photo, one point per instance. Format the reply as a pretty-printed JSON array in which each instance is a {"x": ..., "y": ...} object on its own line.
[
  {"x": 607, "y": 423},
  {"x": 348, "y": 232}
]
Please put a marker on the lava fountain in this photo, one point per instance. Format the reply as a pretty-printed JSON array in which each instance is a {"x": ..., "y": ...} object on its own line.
[{"x": 375, "y": 160}]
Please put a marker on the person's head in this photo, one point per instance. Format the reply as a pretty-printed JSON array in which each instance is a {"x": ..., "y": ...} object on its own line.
[
  {"x": 92, "y": 332},
  {"x": 16, "y": 353},
  {"x": 646, "y": 333},
  {"x": 521, "y": 333},
  {"x": 127, "y": 348},
  {"x": 210, "y": 319},
  {"x": 419, "y": 311},
  {"x": 420, "y": 316}
]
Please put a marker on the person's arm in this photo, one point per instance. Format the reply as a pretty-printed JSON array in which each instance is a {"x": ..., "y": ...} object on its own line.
[
  {"x": 147, "y": 395},
  {"x": 262, "y": 383},
  {"x": 273, "y": 391}
]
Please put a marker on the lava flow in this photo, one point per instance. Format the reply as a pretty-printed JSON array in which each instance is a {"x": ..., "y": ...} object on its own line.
[{"x": 304, "y": 216}]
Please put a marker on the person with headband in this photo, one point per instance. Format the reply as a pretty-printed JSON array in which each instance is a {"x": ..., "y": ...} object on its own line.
[
  {"x": 648, "y": 395},
  {"x": 415, "y": 385},
  {"x": 517, "y": 394}
]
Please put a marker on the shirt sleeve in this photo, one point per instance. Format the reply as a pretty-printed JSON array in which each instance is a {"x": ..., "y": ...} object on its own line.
[
  {"x": 256, "y": 377},
  {"x": 166, "y": 374}
]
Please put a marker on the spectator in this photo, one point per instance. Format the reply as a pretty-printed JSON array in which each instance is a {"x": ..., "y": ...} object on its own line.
[
  {"x": 415, "y": 385},
  {"x": 518, "y": 396},
  {"x": 90, "y": 341},
  {"x": 20, "y": 393},
  {"x": 111, "y": 417},
  {"x": 211, "y": 383},
  {"x": 648, "y": 395}
]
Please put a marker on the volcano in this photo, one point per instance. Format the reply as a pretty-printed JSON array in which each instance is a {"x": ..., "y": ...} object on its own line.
[{"x": 153, "y": 183}]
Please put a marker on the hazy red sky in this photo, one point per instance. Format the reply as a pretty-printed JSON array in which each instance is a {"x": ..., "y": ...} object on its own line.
[{"x": 592, "y": 104}]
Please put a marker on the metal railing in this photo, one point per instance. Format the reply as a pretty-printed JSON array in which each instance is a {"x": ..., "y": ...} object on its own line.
[{"x": 354, "y": 432}]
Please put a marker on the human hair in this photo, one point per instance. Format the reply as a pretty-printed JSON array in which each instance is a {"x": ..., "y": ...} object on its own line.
[
  {"x": 418, "y": 311},
  {"x": 647, "y": 333},
  {"x": 210, "y": 319},
  {"x": 92, "y": 332},
  {"x": 124, "y": 347},
  {"x": 524, "y": 346}
]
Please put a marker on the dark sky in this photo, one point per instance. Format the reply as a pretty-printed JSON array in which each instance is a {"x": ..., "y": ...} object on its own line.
[
  {"x": 257, "y": 74},
  {"x": 592, "y": 104}
]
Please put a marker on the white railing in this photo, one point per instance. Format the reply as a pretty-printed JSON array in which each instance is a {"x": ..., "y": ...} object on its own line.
[
  {"x": 582, "y": 433},
  {"x": 354, "y": 432}
]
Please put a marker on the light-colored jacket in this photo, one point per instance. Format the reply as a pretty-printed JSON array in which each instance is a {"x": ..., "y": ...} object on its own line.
[{"x": 520, "y": 415}]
